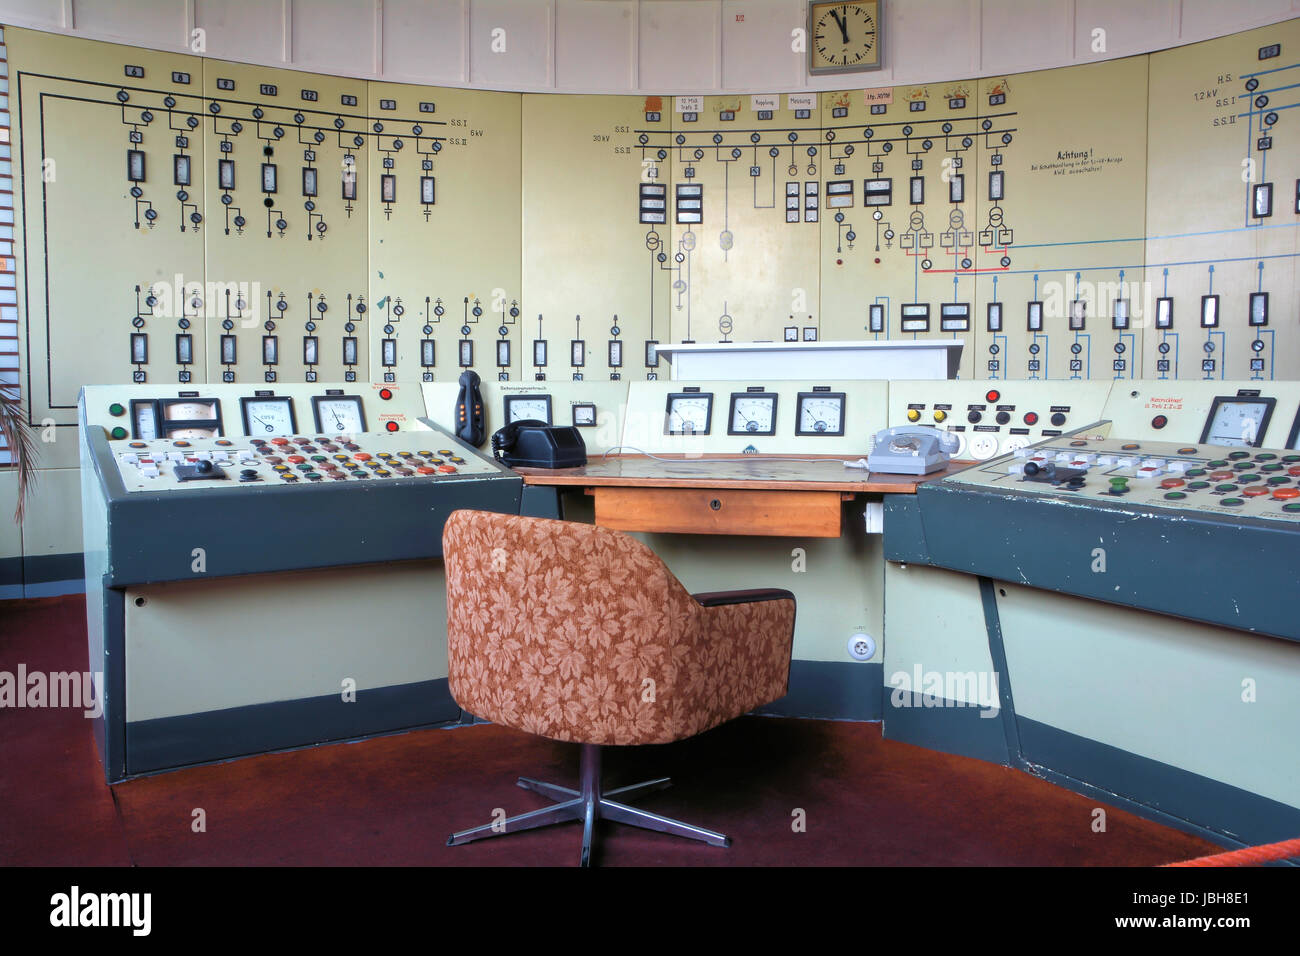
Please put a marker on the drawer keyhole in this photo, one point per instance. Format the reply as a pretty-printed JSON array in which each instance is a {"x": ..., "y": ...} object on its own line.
[{"x": 715, "y": 504}]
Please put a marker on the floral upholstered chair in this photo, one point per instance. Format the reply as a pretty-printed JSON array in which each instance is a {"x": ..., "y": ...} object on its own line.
[{"x": 578, "y": 633}]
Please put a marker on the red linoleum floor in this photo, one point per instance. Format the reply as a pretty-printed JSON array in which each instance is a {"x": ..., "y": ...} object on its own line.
[{"x": 393, "y": 800}]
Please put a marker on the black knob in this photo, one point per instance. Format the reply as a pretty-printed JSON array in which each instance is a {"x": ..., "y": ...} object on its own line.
[
  {"x": 1003, "y": 417},
  {"x": 249, "y": 473},
  {"x": 1031, "y": 468},
  {"x": 203, "y": 467},
  {"x": 1058, "y": 419},
  {"x": 973, "y": 417}
]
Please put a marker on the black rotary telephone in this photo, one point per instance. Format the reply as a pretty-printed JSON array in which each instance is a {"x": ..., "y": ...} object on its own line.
[
  {"x": 470, "y": 426},
  {"x": 536, "y": 444}
]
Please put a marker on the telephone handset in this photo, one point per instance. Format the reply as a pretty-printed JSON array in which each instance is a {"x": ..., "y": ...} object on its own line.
[
  {"x": 470, "y": 426},
  {"x": 505, "y": 439},
  {"x": 912, "y": 450}
]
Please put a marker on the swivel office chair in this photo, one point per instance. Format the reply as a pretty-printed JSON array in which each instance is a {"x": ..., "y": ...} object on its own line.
[{"x": 579, "y": 633}]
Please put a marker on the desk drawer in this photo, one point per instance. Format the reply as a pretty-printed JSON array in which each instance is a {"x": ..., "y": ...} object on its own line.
[{"x": 813, "y": 514}]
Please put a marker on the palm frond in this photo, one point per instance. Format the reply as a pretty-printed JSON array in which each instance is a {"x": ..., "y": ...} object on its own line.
[{"x": 21, "y": 440}]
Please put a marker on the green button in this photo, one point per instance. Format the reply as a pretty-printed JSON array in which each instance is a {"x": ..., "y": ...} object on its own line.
[
  {"x": 1273, "y": 467},
  {"x": 116, "y": 409},
  {"x": 1197, "y": 485},
  {"x": 1119, "y": 484},
  {"x": 1217, "y": 463},
  {"x": 1195, "y": 472},
  {"x": 1291, "y": 458},
  {"x": 1265, "y": 456},
  {"x": 1232, "y": 502},
  {"x": 1291, "y": 506},
  {"x": 1175, "y": 496},
  {"x": 319, "y": 458},
  {"x": 1238, "y": 455},
  {"x": 1225, "y": 487},
  {"x": 1242, "y": 466},
  {"x": 1248, "y": 479},
  {"x": 119, "y": 432},
  {"x": 1278, "y": 480}
]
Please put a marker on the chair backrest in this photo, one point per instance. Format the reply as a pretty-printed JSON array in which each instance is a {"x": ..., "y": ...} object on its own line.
[{"x": 580, "y": 633}]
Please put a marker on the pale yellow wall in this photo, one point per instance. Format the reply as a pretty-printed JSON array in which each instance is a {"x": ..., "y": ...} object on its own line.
[{"x": 536, "y": 211}]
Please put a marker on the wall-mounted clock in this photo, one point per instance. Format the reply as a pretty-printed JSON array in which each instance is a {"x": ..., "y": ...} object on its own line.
[{"x": 844, "y": 37}]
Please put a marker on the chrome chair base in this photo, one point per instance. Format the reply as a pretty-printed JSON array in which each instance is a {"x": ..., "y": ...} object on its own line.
[{"x": 589, "y": 804}]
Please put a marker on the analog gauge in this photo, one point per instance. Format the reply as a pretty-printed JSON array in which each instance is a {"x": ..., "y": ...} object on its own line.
[
  {"x": 339, "y": 414},
  {"x": 983, "y": 446},
  {"x": 688, "y": 413},
  {"x": 144, "y": 416},
  {"x": 584, "y": 414},
  {"x": 752, "y": 413},
  {"x": 183, "y": 411},
  {"x": 1237, "y": 421},
  {"x": 268, "y": 415},
  {"x": 520, "y": 408},
  {"x": 194, "y": 433},
  {"x": 820, "y": 413}
]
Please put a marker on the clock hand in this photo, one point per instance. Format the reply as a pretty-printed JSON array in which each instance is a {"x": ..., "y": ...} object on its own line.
[{"x": 840, "y": 22}]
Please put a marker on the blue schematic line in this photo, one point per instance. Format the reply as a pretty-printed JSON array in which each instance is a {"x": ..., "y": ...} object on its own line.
[
  {"x": 1276, "y": 69},
  {"x": 1132, "y": 348},
  {"x": 1223, "y": 346},
  {"x": 1165, "y": 336}
]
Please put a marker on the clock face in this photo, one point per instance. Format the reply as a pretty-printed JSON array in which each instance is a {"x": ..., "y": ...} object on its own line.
[{"x": 844, "y": 37}]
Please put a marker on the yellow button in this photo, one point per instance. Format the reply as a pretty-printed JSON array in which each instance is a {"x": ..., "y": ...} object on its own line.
[
  {"x": 913, "y": 415},
  {"x": 940, "y": 414}
]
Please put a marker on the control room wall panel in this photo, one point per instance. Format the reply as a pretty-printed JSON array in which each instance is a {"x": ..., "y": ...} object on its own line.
[{"x": 1121, "y": 184}]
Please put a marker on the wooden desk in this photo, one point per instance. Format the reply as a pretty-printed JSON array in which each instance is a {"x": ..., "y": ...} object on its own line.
[{"x": 742, "y": 495}]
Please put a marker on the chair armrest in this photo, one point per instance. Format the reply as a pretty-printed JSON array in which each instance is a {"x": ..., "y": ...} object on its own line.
[{"x": 719, "y": 598}]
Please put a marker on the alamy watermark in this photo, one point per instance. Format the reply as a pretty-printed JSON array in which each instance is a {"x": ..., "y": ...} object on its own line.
[
  {"x": 77, "y": 690},
  {"x": 945, "y": 689}
]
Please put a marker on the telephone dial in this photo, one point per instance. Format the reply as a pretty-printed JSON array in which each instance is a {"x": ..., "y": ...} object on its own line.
[
  {"x": 912, "y": 450},
  {"x": 470, "y": 426}
]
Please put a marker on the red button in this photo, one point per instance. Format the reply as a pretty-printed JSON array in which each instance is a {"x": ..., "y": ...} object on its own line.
[
  {"x": 992, "y": 395},
  {"x": 1254, "y": 491},
  {"x": 391, "y": 426},
  {"x": 1222, "y": 475},
  {"x": 1294, "y": 471},
  {"x": 279, "y": 441},
  {"x": 385, "y": 393},
  {"x": 297, "y": 459},
  {"x": 362, "y": 456},
  {"x": 425, "y": 470},
  {"x": 1159, "y": 421},
  {"x": 1172, "y": 483},
  {"x": 1284, "y": 493},
  {"x": 447, "y": 469},
  {"x": 1031, "y": 418}
]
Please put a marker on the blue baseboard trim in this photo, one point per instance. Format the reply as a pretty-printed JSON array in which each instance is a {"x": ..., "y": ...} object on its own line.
[
  {"x": 168, "y": 743},
  {"x": 1221, "y": 812},
  {"x": 830, "y": 690},
  {"x": 949, "y": 726},
  {"x": 42, "y": 575}
]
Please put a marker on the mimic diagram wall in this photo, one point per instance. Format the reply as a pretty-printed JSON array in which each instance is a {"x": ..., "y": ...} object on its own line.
[{"x": 188, "y": 220}]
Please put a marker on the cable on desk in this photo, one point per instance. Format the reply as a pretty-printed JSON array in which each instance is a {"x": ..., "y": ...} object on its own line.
[{"x": 859, "y": 463}]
